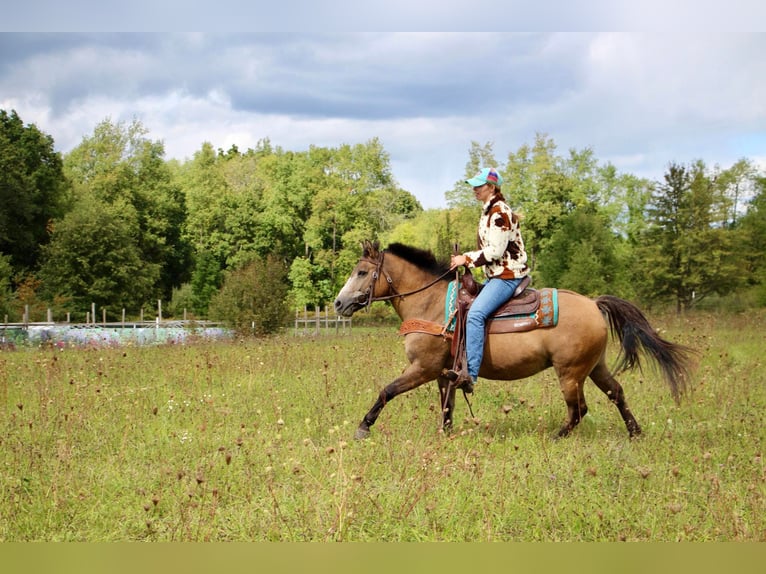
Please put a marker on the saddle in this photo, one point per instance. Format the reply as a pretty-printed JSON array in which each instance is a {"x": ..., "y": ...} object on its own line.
[
  {"x": 522, "y": 302},
  {"x": 527, "y": 309}
]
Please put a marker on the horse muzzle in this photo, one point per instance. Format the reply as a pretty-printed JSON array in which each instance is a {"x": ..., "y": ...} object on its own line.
[{"x": 347, "y": 306}]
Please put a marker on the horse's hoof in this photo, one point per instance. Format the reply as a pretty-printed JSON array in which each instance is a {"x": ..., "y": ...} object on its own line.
[{"x": 361, "y": 433}]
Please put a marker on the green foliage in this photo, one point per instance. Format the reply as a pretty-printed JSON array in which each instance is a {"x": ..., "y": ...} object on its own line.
[
  {"x": 95, "y": 257},
  {"x": 7, "y": 295},
  {"x": 582, "y": 255},
  {"x": 252, "y": 299},
  {"x": 686, "y": 252},
  {"x": 182, "y": 301},
  {"x": 33, "y": 190},
  {"x": 206, "y": 279},
  {"x": 305, "y": 283},
  {"x": 118, "y": 165},
  {"x": 751, "y": 239},
  {"x": 585, "y": 225},
  {"x": 438, "y": 230}
]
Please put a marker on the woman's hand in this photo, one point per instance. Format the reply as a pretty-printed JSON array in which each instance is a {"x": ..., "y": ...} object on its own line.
[{"x": 457, "y": 261}]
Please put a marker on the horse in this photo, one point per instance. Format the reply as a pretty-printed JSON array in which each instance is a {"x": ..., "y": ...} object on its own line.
[{"x": 416, "y": 285}]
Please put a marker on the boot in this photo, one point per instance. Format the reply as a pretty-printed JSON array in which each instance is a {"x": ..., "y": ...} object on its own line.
[{"x": 460, "y": 381}]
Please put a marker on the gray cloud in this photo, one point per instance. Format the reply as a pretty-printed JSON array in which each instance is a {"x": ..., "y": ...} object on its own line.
[{"x": 639, "y": 100}]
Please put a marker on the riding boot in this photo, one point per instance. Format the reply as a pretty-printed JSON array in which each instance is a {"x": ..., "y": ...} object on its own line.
[{"x": 462, "y": 380}]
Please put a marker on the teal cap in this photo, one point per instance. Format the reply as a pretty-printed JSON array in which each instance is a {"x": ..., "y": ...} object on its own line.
[{"x": 487, "y": 175}]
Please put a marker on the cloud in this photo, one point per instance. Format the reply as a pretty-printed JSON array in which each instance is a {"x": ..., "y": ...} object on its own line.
[{"x": 639, "y": 100}]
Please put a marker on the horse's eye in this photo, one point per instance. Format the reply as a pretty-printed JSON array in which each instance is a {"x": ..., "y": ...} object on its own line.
[{"x": 362, "y": 273}]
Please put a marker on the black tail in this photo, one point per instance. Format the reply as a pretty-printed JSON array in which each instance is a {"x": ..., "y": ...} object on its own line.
[{"x": 635, "y": 334}]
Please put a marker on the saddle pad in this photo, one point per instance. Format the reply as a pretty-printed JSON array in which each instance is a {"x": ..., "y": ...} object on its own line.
[{"x": 546, "y": 315}]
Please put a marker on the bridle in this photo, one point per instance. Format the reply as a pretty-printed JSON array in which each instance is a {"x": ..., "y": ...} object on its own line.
[{"x": 367, "y": 297}]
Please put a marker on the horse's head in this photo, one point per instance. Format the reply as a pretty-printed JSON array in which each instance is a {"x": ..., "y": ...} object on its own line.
[{"x": 359, "y": 289}]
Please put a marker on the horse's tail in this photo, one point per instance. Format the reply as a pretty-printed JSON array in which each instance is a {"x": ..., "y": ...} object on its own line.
[{"x": 635, "y": 334}]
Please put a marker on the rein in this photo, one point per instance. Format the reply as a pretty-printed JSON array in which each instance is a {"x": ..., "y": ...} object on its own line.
[
  {"x": 376, "y": 274},
  {"x": 370, "y": 299}
]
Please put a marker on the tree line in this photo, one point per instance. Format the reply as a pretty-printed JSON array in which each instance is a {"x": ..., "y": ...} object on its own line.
[{"x": 247, "y": 236}]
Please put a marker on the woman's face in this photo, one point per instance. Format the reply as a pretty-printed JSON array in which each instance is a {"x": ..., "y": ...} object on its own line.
[{"x": 483, "y": 192}]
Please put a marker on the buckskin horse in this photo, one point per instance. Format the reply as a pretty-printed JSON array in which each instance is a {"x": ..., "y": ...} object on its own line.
[{"x": 417, "y": 287}]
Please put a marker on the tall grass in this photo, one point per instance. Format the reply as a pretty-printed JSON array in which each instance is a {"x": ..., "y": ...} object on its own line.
[{"x": 252, "y": 441}]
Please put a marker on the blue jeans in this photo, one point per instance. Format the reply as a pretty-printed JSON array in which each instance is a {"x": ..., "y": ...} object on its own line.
[{"x": 494, "y": 293}]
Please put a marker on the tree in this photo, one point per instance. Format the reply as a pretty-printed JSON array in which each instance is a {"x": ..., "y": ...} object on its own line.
[
  {"x": 253, "y": 297},
  {"x": 118, "y": 164},
  {"x": 581, "y": 255},
  {"x": 686, "y": 253},
  {"x": 437, "y": 230},
  {"x": 94, "y": 256},
  {"x": 752, "y": 239},
  {"x": 6, "y": 291},
  {"x": 538, "y": 188},
  {"x": 205, "y": 281},
  {"x": 737, "y": 186},
  {"x": 356, "y": 200},
  {"x": 206, "y": 193},
  {"x": 33, "y": 190}
]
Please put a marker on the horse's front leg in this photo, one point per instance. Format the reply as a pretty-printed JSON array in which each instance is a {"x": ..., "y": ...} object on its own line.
[{"x": 412, "y": 377}]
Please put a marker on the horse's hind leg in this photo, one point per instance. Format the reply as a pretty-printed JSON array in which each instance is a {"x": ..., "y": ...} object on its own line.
[
  {"x": 612, "y": 389},
  {"x": 572, "y": 389}
]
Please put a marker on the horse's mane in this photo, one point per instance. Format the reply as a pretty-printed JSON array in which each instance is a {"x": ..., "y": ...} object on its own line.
[{"x": 420, "y": 258}]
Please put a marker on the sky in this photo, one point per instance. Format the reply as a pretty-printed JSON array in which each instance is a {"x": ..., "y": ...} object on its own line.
[{"x": 639, "y": 100}]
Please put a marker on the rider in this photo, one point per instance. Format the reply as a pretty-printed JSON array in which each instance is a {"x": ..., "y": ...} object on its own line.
[{"x": 501, "y": 253}]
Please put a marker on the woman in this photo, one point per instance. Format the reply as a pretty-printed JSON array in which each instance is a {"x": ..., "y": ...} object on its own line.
[{"x": 501, "y": 253}]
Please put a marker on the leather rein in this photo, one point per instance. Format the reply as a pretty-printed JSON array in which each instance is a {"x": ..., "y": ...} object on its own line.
[{"x": 394, "y": 294}]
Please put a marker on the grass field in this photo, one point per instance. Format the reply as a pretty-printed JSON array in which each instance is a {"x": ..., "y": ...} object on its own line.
[{"x": 252, "y": 441}]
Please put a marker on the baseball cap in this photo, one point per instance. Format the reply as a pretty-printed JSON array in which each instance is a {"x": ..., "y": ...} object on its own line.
[{"x": 487, "y": 175}]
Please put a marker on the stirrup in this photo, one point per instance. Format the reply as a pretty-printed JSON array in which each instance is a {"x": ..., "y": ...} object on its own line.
[{"x": 459, "y": 381}]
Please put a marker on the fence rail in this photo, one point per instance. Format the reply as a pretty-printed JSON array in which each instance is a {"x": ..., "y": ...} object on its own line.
[
  {"x": 92, "y": 319},
  {"x": 305, "y": 322},
  {"x": 314, "y": 323}
]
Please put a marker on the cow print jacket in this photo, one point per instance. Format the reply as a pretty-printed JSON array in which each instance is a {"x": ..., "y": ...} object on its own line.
[{"x": 500, "y": 246}]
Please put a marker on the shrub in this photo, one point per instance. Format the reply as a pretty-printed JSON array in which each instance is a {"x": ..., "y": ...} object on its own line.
[{"x": 252, "y": 298}]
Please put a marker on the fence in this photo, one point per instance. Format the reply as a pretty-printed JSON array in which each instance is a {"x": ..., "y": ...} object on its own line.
[
  {"x": 313, "y": 324},
  {"x": 107, "y": 333},
  {"x": 91, "y": 317}
]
